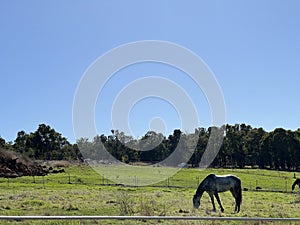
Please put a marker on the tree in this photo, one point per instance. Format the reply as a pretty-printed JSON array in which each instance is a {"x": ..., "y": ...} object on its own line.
[
  {"x": 234, "y": 145},
  {"x": 252, "y": 145},
  {"x": 45, "y": 143},
  {"x": 152, "y": 146},
  {"x": 2, "y": 142},
  {"x": 45, "y": 140},
  {"x": 265, "y": 153},
  {"x": 21, "y": 143},
  {"x": 201, "y": 136}
]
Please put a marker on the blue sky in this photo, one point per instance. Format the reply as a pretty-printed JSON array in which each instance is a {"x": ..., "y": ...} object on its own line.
[{"x": 252, "y": 47}]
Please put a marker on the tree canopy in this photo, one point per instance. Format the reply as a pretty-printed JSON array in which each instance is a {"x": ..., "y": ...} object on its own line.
[{"x": 242, "y": 146}]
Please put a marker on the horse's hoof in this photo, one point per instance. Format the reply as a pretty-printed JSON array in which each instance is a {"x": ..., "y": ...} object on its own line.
[{"x": 222, "y": 210}]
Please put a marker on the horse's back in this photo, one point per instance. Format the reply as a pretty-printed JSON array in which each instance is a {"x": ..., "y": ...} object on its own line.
[
  {"x": 235, "y": 178},
  {"x": 228, "y": 176},
  {"x": 223, "y": 183}
]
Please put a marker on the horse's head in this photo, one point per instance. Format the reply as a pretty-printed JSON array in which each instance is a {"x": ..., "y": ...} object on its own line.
[{"x": 196, "y": 201}]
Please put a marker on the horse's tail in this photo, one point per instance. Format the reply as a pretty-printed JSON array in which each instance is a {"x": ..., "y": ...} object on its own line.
[
  {"x": 293, "y": 186},
  {"x": 239, "y": 193},
  {"x": 297, "y": 181}
]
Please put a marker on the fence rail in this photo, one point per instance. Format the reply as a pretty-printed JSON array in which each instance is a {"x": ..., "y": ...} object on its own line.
[
  {"x": 256, "y": 185},
  {"x": 18, "y": 218}
]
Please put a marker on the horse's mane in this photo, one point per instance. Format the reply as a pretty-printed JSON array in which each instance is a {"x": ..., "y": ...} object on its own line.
[{"x": 200, "y": 189}]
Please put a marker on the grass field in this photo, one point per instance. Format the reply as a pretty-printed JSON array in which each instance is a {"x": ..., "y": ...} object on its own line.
[{"x": 82, "y": 191}]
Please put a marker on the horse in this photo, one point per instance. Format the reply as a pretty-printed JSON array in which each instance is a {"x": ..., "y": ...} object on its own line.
[
  {"x": 213, "y": 184},
  {"x": 297, "y": 182}
]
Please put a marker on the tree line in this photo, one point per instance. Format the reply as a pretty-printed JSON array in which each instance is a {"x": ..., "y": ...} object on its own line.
[
  {"x": 242, "y": 146},
  {"x": 43, "y": 144}
]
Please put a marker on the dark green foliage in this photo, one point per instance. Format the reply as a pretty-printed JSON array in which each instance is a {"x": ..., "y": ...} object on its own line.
[
  {"x": 2, "y": 142},
  {"x": 46, "y": 144},
  {"x": 242, "y": 146}
]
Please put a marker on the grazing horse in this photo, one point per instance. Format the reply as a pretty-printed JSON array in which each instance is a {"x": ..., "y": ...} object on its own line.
[
  {"x": 214, "y": 184},
  {"x": 297, "y": 182}
]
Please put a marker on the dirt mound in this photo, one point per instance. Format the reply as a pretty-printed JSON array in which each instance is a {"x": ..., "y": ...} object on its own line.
[{"x": 13, "y": 165}]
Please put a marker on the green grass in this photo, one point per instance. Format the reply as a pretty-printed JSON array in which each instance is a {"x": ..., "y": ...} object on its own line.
[{"x": 80, "y": 191}]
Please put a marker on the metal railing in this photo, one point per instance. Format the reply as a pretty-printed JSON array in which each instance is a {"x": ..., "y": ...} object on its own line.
[{"x": 194, "y": 218}]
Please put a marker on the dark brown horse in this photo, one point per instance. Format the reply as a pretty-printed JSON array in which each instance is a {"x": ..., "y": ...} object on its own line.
[
  {"x": 297, "y": 182},
  {"x": 214, "y": 184}
]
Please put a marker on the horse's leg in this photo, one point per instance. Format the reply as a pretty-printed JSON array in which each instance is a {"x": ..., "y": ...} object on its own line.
[
  {"x": 237, "y": 205},
  {"x": 235, "y": 194},
  {"x": 236, "y": 208},
  {"x": 235, "y": 198},
  {"x": 212, "y": 201},
  {"x": 219, "y": 201}
]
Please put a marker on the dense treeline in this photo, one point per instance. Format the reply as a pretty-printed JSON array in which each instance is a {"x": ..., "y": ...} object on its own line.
[
  {"x": 242, "y": 146},
  {"x": 43, "y": 144}
]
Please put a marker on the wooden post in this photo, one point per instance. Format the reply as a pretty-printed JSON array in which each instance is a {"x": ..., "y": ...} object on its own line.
[{"x": 135, "y": 181}]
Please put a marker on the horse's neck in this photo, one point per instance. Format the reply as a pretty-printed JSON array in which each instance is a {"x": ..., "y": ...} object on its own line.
[
  {"x": 199, "y": 191},
  {"x": 202, "y": 187}
]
